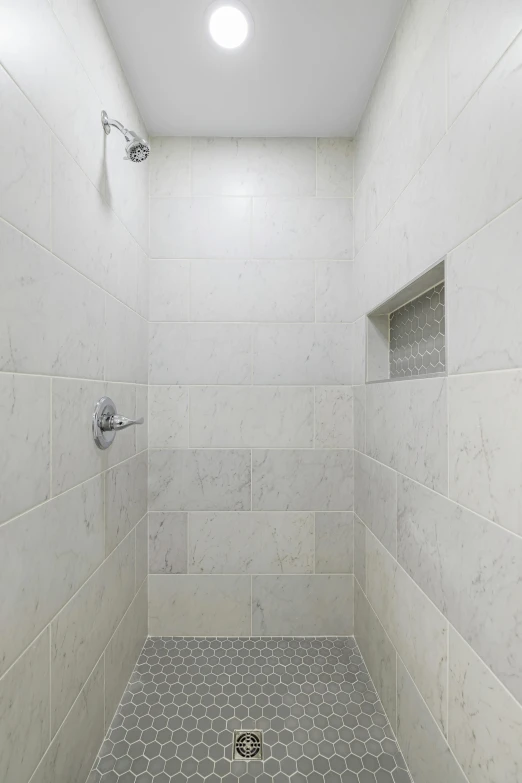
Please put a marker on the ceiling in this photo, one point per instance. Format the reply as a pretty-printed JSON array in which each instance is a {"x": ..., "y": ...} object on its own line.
[{"x": 308, "y": 70}]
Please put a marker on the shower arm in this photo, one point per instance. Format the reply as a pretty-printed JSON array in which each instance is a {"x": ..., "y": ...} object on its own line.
[{"x": 108, "y": 122}]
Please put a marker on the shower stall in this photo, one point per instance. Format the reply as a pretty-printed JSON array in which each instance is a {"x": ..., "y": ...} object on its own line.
[{"x": 260, "y": 491}]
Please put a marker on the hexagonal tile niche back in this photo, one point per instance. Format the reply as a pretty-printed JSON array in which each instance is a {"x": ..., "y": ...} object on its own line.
[
  {"x": 322, "y": 721},
  {"x": 417, "y": 336}
]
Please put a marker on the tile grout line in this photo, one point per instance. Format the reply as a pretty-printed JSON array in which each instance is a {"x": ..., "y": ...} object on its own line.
[
  {"x": 447, "y": 498},
  {"x": 442, "y": 616},
  {"x": 69, "y": 600},
  {"x": 399, "y": 658}
]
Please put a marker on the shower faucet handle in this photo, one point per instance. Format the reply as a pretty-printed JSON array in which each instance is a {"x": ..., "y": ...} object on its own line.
[
  {"x": 106, "y": 422},
  {"x": 117, "y": 422}
]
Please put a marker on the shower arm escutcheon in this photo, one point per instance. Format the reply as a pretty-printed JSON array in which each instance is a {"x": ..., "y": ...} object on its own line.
[{"x": 106, "y": 422}]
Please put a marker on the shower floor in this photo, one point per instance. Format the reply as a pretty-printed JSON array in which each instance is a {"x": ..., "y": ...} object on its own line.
[{"x": 312, "y": 698}]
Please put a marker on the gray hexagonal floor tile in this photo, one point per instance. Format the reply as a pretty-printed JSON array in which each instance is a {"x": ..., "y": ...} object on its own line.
[{"x": 321, "y": 719}]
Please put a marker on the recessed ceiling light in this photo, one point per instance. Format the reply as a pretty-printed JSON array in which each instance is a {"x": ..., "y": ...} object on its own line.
[{"x": 229, "y": 23}]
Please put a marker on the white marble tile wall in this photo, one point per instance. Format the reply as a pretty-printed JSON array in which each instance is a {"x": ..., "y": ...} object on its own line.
[
  {"x": 73, "y": 309},
  {"x": 437, "y": 535},
  {"x": 250, "y": 405}
]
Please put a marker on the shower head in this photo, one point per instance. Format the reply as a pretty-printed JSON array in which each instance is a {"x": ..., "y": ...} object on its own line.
[{"x": 137, "y": 149}]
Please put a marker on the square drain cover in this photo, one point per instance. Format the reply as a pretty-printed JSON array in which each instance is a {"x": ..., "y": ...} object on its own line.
[{"x": 248, "y": 744}]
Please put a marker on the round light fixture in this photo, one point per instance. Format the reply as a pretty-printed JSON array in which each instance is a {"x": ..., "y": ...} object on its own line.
[{"x": 229, "y": 23}]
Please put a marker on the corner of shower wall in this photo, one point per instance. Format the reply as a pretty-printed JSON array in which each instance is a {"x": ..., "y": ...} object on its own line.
[
  {"x": 74, "y": 295},
  {"x": 432, "y": 454}
]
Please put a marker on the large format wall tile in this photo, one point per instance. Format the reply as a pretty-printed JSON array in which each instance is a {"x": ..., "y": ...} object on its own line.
[
  {"x": 251, "y": 543},
  {"x": 485, "y": 722},
  {"x": 73, "y": 749},
  {"x": 52, "y": 317},
  {"x": 90, "y": 40},
  {"x": 41, "y": 61},
  {"x": 168, "y": 417},
  {"x": 474, "y": 49},
  {"x": 142, "y": 298},
  {"x": 125, "y": 343},
  {"x": 334, "y": 542},
  {"x": 199, "y": 605},
  {"x": 375, "y": 501},
  {"x": 296, "y": 354},
  {"x": 24, "y": 712},
  {"x": 359, "y": 351},
  {"x": 378, "y": 652},
  {"x": 169, "y": 290},
  {"x": 426, "y": 752},
  {"x": 359, "y": 551},
  {"x": 359, "y": 418},
  {"x": 81, "y": 631},
  {"x": 200, "y": 354},
  {"x": 418, "y": 26},
  {"x": 141, "y": 534},
  {"x": 483, "y": 298},
  {"x": 87, "y": 234},
  {"x": 170, "y": 166},
  {"x": 199, "y": 480},
  {"x": 300, "y": 605},
  {"x": 413, "y": 133},
  {"x": 333, "y": 417},
  {"x": 302, "y": 480},
  {"x": 25, "y": 175},
  {"x": 334, "y": 291},
  {"x": 168, "y": 543},
  {"x": 125, "y": 499},
  {"x": 200, "y": 227},
  {"x": 123, "y": 651},
  {"x": 335, "y": 167},
  {"x": 45, "y": 556},
  {"x": 416, "y": 628},
  {"x": 402, "y": 413},
  {"x": 470, "y": 569},
  {"x": 302, "y": 228},
  {"x": 251, "y": 416},
  {"x": 485, "y": 430},
  {"x": 252, "y": 291},
  {"x": 25, "y": 424},
  {"x": 253, "y": 167},
  {"x": 464, "y": 185}
]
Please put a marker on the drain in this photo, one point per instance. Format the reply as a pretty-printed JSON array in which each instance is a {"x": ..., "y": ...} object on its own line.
[{"x": 248, "y": 744}]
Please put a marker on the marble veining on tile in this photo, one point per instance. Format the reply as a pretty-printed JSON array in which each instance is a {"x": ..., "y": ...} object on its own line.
[
  {"x": 45, "y": 556},
  {"x": 470, "y": 569},
  {"x": 251, "y": 416},
  {"x": 334, "y": 542},
  {"x": 302, "y": 480},
  {"x": 167, "y": 543},
  {"x": 199, "y": 480},
  {"x": 254, "y": 542},
  {"x": 406, "y": 412}
]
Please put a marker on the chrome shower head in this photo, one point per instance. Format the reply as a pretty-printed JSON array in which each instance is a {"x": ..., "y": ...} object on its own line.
[{"x": 137, "y": 149}]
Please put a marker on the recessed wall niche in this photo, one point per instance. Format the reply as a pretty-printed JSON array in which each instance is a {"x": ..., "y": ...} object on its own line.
[{"x": 405, "y": 336}]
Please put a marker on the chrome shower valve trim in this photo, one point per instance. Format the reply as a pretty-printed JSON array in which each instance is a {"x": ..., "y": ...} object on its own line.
[{"x": 106, "y": 422}]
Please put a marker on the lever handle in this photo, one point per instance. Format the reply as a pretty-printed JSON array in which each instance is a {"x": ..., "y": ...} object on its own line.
[
  {"x": 117, "y": 422},
  {"x": 106, "y": 422}
]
